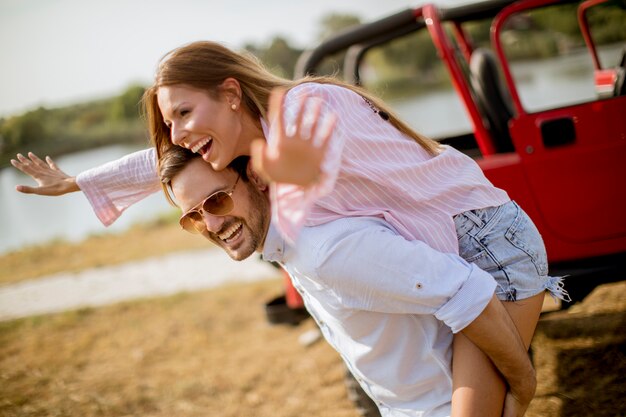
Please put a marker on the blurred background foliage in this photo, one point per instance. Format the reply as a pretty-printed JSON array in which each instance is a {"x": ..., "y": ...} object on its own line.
[
  {"x": 393, "y": 69},
  {"x": 57, "y": 131}
]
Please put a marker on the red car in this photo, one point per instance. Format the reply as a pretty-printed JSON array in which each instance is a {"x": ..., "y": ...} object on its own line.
[
  {"x": 565, "y": 163},
  {"x": 559, "y": 154}
]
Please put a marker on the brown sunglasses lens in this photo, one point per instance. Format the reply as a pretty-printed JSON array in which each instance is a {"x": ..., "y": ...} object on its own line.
[
  {"x": 193, "y": 223},
  {"x": 219, "y": 204}
]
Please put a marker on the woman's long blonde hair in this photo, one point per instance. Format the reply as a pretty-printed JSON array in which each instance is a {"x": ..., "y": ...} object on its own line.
[{"x": 205, "y": 65}]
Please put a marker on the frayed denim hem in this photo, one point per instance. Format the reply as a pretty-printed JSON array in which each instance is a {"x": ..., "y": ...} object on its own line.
[
  {"x": 553, "y": 285},
  {"x": 556, "y": 287}
]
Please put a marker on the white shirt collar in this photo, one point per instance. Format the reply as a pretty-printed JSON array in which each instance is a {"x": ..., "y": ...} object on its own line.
[{"x": 274, "y": 246}]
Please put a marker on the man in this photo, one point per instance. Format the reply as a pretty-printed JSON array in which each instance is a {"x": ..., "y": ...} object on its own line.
[{"x": 379, "y": 299}]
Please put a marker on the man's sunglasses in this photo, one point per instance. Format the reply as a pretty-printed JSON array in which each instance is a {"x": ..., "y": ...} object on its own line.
[{"x": 219, "y": 203}]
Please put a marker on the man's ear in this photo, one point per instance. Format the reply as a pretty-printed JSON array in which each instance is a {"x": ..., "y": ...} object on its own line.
[
  {"x": 231, "y": 92},
  {"x": 254, "y": 178}
]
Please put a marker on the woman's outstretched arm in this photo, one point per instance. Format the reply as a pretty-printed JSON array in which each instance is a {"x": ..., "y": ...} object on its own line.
[{"x": 110, "y": 188}]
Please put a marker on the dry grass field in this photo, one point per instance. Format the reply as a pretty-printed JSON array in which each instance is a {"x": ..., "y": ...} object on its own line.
[
  {"x": 212, "y": 353},
  {"x": 203, "y": 354}
]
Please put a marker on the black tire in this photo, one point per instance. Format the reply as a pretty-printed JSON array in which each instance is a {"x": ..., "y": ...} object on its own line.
[{"x": 278, "y": 312}]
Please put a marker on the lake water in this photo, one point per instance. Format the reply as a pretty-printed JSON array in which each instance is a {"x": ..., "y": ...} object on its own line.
[
  {"x": 31, "y": 219},
  {"x": 28, "y": 219},
  {"x": 541, "y": 85}
]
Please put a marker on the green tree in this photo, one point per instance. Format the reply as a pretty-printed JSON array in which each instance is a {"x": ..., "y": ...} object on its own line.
[
  {"x": 333, "y": 23},
  {"x": 479, "y": 32},
  {"x": 26, "y": 129},
  {"x": 561, "y": 19},
  {"x": 280, "y": 57},
  {"x": 127, "y": 105},
  {"x": 416, "y": 53},
  {"x": 607, "y": 22}
]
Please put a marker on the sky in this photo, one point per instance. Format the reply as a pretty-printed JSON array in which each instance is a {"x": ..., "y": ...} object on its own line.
[{"x": 58, "y": 52}]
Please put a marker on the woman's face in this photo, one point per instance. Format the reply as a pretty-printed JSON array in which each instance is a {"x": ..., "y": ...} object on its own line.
[{"x": 207, "y": 126}]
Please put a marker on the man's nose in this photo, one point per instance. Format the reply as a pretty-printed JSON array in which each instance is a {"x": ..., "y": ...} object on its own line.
[{"x": 213, "y": 223}]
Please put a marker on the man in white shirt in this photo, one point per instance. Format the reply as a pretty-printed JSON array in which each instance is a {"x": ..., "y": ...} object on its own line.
[{"x": 389, "y": 306}]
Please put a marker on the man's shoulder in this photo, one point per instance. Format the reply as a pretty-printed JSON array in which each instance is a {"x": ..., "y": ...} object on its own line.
[
  {"x": 329, "y": 252},
  {"x": 313, "y": 236},
  {"x": 319, "y": 242}
]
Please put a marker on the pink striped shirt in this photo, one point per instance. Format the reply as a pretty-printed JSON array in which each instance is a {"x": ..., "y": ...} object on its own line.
[{"x": 371, "y": 169}]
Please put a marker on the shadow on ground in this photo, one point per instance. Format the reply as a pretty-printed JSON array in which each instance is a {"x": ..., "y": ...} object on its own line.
[{"x": 580, "y": 356}]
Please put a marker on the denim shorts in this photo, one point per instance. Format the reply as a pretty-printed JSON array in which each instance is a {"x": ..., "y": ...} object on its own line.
[{"x": 504, "y": 241}]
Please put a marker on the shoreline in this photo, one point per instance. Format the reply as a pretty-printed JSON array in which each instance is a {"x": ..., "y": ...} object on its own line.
[{"x": 156, "y": 238}]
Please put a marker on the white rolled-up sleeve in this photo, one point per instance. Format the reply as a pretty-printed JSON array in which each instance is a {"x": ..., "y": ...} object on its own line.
[
  {"x": 113, "y": 187},
  {"x": 369, "y": 266}
]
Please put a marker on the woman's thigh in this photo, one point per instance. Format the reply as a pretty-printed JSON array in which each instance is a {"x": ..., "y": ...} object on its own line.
[
  {"x": 478, "y": 388},
  {"x": 504, "y": 242}
]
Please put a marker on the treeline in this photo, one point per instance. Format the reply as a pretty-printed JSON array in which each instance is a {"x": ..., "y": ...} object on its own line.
[
  {"x": 390, "y": 71},
  {"x": 555, "y": 30},
  {"x": 82, "y": 126}
]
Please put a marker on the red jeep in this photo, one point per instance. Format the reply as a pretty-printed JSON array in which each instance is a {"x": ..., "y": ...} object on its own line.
[
  {"x": 558, "y": 148},
  {"x": 562, "y": 156}
]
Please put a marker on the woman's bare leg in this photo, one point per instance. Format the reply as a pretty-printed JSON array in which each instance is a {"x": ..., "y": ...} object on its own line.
[{"x": 478, "y": 389}]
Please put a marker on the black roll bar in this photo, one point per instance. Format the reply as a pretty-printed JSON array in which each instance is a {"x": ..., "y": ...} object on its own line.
[
  {"x": 309, "y": 59},
  {"x": 383, "y": 30},
  {"x": 355, "y": 53}
]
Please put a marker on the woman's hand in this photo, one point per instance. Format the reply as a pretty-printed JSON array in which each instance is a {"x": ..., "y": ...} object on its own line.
[
  {"x": 295, "y": 158},
  {"x": 50, "y": 179}
]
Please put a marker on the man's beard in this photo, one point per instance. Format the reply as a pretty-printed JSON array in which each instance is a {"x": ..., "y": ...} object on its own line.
[
  {"x": 254, "y": 228},
  {"x": 259, "y": 217}
]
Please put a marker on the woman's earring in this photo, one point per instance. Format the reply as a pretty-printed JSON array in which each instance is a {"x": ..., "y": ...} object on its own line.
[{"x": 233, "y": 106}]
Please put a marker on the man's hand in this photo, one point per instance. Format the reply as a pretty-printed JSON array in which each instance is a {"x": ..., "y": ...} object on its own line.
[
  {"x": 50, "y": 179},
  {"x": 495, "y": 334}
]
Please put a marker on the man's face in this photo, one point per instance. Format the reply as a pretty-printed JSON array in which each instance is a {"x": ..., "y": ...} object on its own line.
[{"x": 242, "y": 231}]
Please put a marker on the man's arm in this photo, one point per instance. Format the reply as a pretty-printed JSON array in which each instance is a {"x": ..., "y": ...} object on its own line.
[
  {"x": 495, "y": 334},
  {"x": 359, "y": 261}
]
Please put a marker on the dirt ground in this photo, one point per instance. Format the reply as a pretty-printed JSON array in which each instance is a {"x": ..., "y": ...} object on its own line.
[
  {"x": 213, "y": 354},
  {"x": 580, "y": 357}
]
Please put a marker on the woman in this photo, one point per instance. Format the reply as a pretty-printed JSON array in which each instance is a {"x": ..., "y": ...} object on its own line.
[{"x": 333, "y": 150}]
